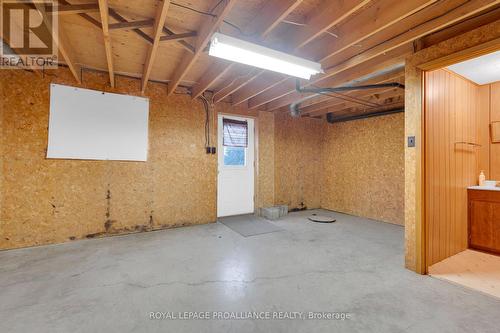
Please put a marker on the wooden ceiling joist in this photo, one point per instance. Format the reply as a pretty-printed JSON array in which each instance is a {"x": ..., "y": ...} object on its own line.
[
  {"x": 188, "y": 47},
  {"x": 160, "y": 18},
  {"x": 378, "y": 99},
  {"x": 85, "y": 16},
  {"x": 323, "y": 101},
  {"x": 461, "y": 27},
  {"x": 131, "y": 24},
  {"x": 176, "y": 37},
  {"x": 205, "y": 33},
  {"x": 123, "y": 23},
  {"x": 62, "y": 43},
  {"x": 459, "y": 13},
  {"x": 74, "y": 9},
  {"x": 337, "y": 10},
  {"x": 379, "y": 16},
  {"x": 114, "y": 14},
  {"x": 408, "y": 23},
  {"x": 104, "y": 11},
  {"x": 240, "y": 81},
  {"x": 271, "y": 15}
]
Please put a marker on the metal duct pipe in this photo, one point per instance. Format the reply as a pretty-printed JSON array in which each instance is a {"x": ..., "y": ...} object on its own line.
[
  {"x": 295, "y": 107},
  {"x": 331, "y": 119}
]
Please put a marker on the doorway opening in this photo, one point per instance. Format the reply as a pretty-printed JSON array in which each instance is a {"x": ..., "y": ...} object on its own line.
[{"x": 461, "y": 212}]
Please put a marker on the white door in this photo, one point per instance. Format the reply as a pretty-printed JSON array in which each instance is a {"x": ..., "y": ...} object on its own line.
[{"x": 235, "y": 181}]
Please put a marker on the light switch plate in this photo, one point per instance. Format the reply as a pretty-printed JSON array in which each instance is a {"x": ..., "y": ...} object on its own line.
[{"x": 411, "y": 141}]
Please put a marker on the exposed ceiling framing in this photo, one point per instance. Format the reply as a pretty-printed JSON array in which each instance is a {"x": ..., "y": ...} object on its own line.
[{"x": 356, "y": 41}]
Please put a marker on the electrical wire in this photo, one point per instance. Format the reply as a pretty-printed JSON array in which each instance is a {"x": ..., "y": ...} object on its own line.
[
  {"x": 207, "y": 121},
  {"x": 207, "y": 106}
]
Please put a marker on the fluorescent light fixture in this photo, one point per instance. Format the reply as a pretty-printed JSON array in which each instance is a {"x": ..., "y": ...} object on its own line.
[{"x": 237, "y": 50}]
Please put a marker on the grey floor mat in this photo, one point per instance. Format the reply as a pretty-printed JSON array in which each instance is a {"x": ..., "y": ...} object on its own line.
[{"x": 248, "y": 225}]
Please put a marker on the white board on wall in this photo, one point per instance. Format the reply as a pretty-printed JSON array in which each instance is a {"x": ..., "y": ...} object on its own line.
[{"x": 92, "y": 125}]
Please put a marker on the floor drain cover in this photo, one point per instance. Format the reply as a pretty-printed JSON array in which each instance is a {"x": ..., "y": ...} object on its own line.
[{"x": 321, "y": 218}]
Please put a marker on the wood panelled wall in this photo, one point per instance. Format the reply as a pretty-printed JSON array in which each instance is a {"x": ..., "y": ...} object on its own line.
[
  {"x": 484, "y": 133},
  {"x": 495, "y": 116},
  {"x": 451, "y": 108},
  {"x": 456, "y": 117}
]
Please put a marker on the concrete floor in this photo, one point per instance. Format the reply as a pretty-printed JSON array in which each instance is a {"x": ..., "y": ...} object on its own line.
[{"x": 353, "y": 266}]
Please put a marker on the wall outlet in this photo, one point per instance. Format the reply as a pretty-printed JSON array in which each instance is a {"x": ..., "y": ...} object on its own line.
[{"x": 411, "y": 141}]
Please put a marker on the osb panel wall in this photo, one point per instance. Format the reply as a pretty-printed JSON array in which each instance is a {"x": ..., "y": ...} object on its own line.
[
  {"x": 413, "y": 127},
  {"x": 265, "y": 162},
  {"x": 364, "y": 168},
  {"x": 298, "y": 161},
  {"x": 51, "y": 201}
]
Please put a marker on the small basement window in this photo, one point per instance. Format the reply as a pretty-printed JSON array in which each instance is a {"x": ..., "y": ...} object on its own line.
[{"x": 235, "y": 142}]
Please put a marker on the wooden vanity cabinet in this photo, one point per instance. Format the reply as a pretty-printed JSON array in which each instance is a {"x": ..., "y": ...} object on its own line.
[{"x": 484, "y": 220}]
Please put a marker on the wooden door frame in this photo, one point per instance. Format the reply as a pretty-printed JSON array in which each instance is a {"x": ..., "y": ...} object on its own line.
[{"x": 421, "y": 223}]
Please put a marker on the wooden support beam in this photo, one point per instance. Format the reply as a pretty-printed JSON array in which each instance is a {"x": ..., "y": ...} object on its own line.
[
  {"x": 104, "y": 11},
  {"x": 285, "y": 93},
  {"x": 256, "y": 87},
  {"x": 132, "y": 24},
  {"x": 114, "y": 14},
  {"x": 268, "y": 18},
  {"x": 379, "y": 16},
  {"x": 145, "y": 36},
  {"x": 428, "y": 13},
  {"x": 468, "y": 9},
  {"x": 87, "y": 17},
  {"x": 205, "y": 33},
  {"x": 68, "y": 9},
  {"x": 176, "y": 37},
  {"x": 188, "y": 47},
  {"x": 62, "y": 43},
  {"x": 459, "y": 13},
  {"x": 333, "y": 14},
  {"x": 161, "y": 15},
  {"x": 461, "y": 28},
  {"x": 214, "y": 72}
]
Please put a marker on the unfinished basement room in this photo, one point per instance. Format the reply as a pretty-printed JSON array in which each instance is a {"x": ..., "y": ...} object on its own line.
[{"x": 250, "y": 166}]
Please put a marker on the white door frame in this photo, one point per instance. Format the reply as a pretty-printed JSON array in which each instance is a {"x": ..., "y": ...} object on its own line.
[{"x": 252, "y": 128}]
